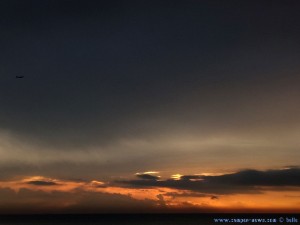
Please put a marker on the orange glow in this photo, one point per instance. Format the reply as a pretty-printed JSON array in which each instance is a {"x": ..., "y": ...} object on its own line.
[{"x": 270, "y": 201}]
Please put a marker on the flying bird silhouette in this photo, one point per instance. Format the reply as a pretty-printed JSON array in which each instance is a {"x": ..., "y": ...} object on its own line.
[{"x": 19, "y": 76}]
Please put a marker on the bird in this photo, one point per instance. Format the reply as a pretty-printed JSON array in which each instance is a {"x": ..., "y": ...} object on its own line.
[{"x": 18, "y": 77}]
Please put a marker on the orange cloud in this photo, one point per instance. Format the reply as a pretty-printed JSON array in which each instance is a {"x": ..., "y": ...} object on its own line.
[{"x": 36, "y": 191}]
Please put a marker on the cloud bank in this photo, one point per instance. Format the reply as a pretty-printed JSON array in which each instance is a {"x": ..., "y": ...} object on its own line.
[{"x": 246, "y": 181}]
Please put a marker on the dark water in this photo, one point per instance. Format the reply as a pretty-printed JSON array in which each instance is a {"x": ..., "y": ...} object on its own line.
[{"x": 149, "y": 219}]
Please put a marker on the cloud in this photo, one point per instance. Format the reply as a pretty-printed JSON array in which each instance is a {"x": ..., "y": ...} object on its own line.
[
  {"x": 42, "y": 183},
  {"x": 283, "y": 177},
  {"x": 190, "y": 177},
  {"x": 161, "y": 200},
  {"x": 147, "y": 176},
  {"x": 77, "y": 201},
  {"x": 98, "y": 184},
  {"x": 186, "y": 194},
  {"x": 246, "y": 181}
]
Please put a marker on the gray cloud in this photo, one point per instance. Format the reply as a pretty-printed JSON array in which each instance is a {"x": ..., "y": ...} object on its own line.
[
  {"x": 147, "y": 176},
  {"x": 247, "y": 181},
  {"x": 190, "y": 177},
  {"x": 285, "y": 177},
  {"x": 214, "y": 197},
  {"x": 187, "y": 194},
  {"x": 161, "y": 200},
  {"x": 42, "y": 183}
]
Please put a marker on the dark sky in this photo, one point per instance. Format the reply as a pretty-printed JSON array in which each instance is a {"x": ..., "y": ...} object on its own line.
[{"x": 118, "y": 87}]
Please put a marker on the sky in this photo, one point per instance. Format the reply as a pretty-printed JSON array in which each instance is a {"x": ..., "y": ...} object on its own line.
[{"x": 149, "y": 106}]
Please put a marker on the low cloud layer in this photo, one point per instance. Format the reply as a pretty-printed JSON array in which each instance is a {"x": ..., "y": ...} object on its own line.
[
  {"x": 78, "y": 201},
  {"x": 246, "y": 181},
  {"x": 240, "y": 191}
]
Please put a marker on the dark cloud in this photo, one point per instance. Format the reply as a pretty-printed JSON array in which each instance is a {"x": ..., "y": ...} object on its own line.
[
  {"x": 247, "y": 181},
  {"x": 186, "y": 194},
  {"x": 42, "y": 183},
  {"x": 161, "y": 200},
  {"x": 200, "y": 186},
  {"x": 147, "y": 176},
  {"x": 190, "y": 177},
  {"x": 284, "y": 177},
  {"x": 214, "y": 197}
]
